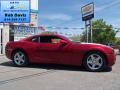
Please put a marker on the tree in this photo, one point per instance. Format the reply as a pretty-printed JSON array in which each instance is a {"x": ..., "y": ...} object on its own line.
[
  {"x": 102, "y": 32},
  {"x": 117, "y": 42}
]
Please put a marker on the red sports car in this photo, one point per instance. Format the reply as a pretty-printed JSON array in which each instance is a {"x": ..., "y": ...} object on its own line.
[{"x": 57, "y": 49}]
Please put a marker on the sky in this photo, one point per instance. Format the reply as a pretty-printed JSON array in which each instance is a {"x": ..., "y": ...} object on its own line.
[{"x": 67, "y": 13}]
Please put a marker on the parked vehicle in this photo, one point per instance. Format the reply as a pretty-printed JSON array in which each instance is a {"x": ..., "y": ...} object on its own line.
[{"x": 57, "y": 49}]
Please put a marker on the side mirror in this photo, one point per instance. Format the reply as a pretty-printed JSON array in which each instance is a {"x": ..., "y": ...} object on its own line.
[{"x": 63, "y": 42}]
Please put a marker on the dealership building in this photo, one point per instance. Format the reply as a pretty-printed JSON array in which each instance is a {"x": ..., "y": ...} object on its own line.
[{"x": 17, "y": 31}]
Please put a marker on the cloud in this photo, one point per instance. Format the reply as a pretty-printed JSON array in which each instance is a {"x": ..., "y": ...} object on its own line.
[
  {"x": 111, "y": 4},
  {"x": 34, "y": 4},
  {"x": 62, "y": 17},
  {"x": 115, "y": 22}
]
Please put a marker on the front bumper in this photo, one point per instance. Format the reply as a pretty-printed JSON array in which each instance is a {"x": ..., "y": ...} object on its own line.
[{"x": 111, "y": 58}]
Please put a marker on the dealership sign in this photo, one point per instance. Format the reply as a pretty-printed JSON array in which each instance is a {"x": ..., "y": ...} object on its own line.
[
  {"x": 87, "y": 12},
  {"x": 14, "y": 11},
  {"x": 24, "y": 30}
]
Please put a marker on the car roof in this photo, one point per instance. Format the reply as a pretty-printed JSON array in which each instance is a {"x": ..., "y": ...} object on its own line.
[
  {"x": 63, "y": 37},
  {"x": 48, "y": 35}
]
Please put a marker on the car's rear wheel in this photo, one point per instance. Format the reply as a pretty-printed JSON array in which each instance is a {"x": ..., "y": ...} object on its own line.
[
  {"x": 95, "y": 61},
  {"x": 20, "y": 58}
]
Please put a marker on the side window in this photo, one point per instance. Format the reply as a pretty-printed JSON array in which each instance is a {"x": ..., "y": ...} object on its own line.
[
  {"x": 45, "y": 39},
  {"x": 49, "y": 39},
  {"x": 55, "y": 40},
  {"x": 35, "y": 39}
]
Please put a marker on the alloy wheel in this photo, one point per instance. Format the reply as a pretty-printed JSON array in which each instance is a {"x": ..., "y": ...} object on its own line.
[
  {"x": 94, "y": 61},
  {"x": 19, "y": 58}
]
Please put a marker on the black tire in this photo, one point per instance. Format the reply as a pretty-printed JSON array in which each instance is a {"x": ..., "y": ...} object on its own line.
[
  {"x": 22, "y": 61},
  {"x": 88, "y": 63}
]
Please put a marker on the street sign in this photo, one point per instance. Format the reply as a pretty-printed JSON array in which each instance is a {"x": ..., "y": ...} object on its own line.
[
  {"x": 87, "y": 12},
  {"x": 14, "y": 11}
]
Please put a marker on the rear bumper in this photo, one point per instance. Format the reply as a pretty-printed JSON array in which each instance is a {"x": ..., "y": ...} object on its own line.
[{"x": 111, "y": 58}]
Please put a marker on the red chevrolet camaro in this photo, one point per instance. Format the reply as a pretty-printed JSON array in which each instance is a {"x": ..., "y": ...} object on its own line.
[{"x": 57, "y": 49}]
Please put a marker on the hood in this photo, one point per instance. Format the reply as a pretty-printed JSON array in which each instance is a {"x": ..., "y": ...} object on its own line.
[
  {"x": 98, "y": 46},
  {"x": 92, "y": 44}
]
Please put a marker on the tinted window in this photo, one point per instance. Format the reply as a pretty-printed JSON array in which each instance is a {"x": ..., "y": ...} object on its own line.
[{"x": 47, "y": 39}]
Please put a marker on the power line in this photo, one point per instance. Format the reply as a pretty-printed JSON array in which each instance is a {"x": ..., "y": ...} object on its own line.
[{"x": 74, "y": 28}]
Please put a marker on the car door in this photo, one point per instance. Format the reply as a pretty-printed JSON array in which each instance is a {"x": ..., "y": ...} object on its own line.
[
  {"x": 48, "y": 49},
  {"x": 52, "y": 49},
  {"x": 32, "y": 48}
]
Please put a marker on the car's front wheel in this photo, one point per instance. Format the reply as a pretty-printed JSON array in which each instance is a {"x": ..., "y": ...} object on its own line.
[
  {"x": 20, "y": 58},
  {"x": 95, "y": 61}
]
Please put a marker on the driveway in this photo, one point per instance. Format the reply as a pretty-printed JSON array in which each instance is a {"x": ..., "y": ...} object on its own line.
[{"x": 57, "y": 77}]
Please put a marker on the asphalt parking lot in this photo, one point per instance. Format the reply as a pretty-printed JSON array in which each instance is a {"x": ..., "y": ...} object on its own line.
[{"x": 56, "y": 77}]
